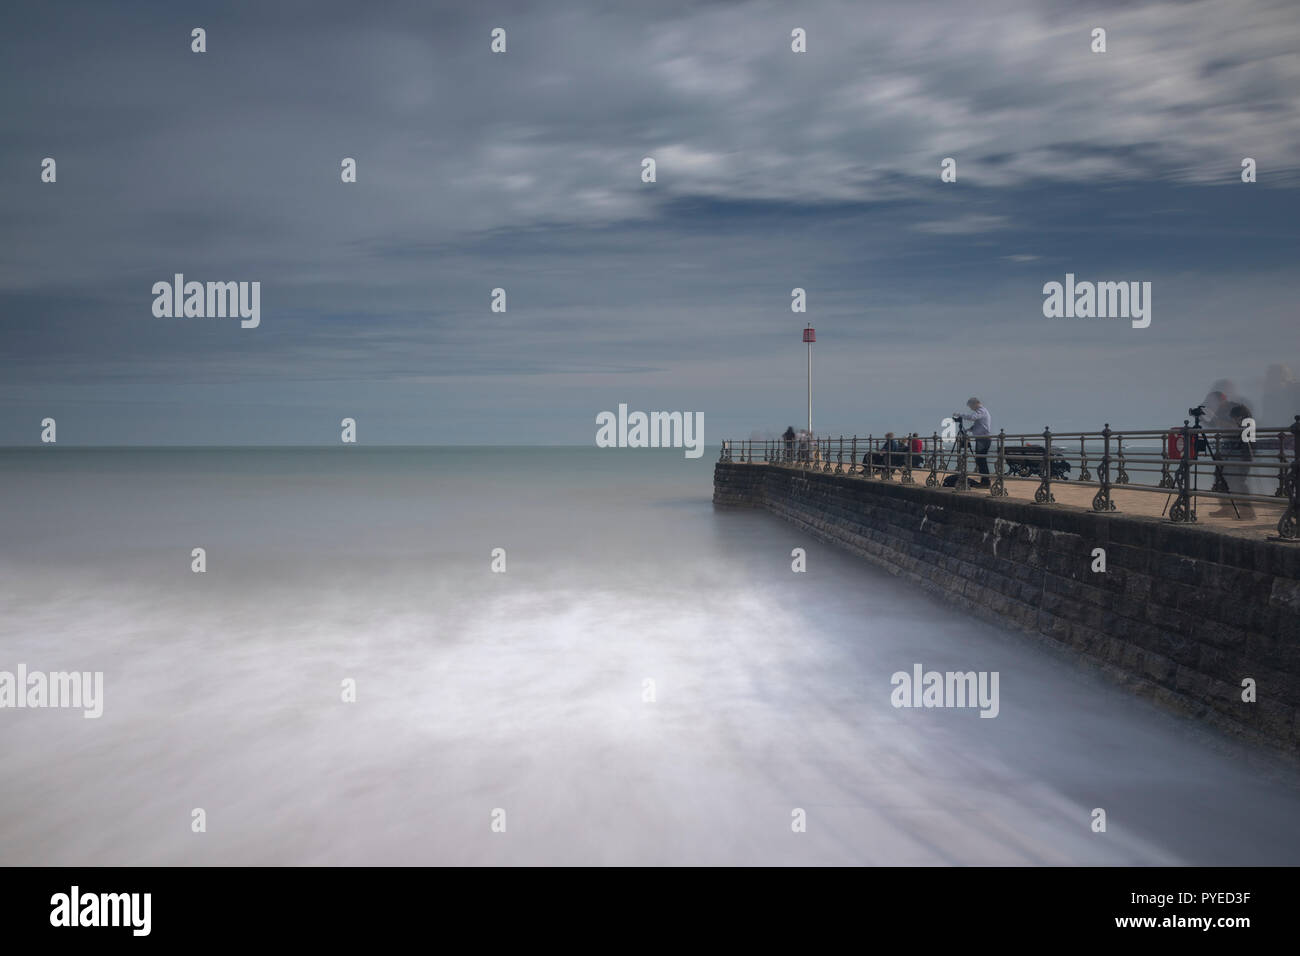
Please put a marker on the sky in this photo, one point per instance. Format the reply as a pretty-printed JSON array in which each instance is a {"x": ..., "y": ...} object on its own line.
[{"x": 522, "y": 170}]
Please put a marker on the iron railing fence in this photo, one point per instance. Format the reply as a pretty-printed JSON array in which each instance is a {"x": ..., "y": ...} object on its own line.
[{"x": 1186, "y": 463}]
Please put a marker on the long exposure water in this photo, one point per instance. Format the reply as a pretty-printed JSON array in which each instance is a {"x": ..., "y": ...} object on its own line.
[{"x": 527, "y": 691}]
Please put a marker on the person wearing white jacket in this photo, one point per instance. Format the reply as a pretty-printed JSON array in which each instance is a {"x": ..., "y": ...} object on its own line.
[{"x": 981, "y": 428}]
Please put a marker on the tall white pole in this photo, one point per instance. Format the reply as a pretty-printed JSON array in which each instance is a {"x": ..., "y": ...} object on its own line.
[{"x": 809, "y": 388}]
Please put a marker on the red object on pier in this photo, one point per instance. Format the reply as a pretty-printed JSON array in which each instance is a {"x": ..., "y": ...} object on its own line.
[
  {"x": 810, "y": 334},
  {"x": 1175, "y": 448}
]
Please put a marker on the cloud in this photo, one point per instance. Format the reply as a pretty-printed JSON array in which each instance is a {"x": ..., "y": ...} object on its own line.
[
  {"x": 775, "y": 170},
  {"x": 962, "y": 225}
]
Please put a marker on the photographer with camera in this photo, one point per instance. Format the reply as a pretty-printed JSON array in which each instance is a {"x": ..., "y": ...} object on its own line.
[
  {"x": 1237, "y": 477},
  {"x": 981, "y": 430},
  {"x": 1226, "y": 412}
]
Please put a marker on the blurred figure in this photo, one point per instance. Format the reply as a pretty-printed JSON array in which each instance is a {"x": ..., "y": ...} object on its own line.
[
  {"x": 1232, "y": 448},
  {"x": 788, "y": 438},
  {"x": 1223, "y": 397},
  {"x": 1281, "y": 397},
  {"x": 1212, "y": 402},
  {"x": 1218, "y": 403}
]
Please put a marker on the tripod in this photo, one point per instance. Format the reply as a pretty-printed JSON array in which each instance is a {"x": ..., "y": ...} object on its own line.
[
  {"x": 1202, "y": 444},
  {"x": 961, "y": 450},
  {"x": 1186, "y": 469},
  {"x": 1220, "y": 481}
]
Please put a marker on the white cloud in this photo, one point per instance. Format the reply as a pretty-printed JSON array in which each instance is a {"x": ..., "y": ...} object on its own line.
[{"x": 962, "y": 225}]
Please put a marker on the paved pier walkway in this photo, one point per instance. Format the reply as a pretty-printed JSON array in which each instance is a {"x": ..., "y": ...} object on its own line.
[{"x": 1128, "y": 500}]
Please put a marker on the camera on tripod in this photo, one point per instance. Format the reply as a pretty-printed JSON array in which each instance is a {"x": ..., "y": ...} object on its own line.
[{"x": 1202, "y": 446}]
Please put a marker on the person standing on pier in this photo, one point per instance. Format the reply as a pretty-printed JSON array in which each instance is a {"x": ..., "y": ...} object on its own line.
[
  {"x": 981, "y": 429},
  {"x": 1236, "y": 477}
]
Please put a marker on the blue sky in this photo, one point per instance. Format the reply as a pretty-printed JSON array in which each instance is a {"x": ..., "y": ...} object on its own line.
[{"x": 775, "y": 170}]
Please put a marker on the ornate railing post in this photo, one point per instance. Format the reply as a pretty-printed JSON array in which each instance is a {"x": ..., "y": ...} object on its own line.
[
  {"x": 1166, "y": 479},
  {"x": 1283, "y": 472},
  {"x": 907, "y": 478},
  {"x": 1043, "y": 494},
  {"x": 839, "y": 457},
  {"x": 1084, "y": 473},
  {"x": 932, "y": 479},
  {"x": 963, "y": 443},
  {"x": 999, "y": 489},
  {"x": 1182, "y": 509},
  {"x": 1101, "y": 500},
  {"x": 1286, "y": 525},
  {"x": 1122, "y": 477},
  {"x": 853, "y": 458}
]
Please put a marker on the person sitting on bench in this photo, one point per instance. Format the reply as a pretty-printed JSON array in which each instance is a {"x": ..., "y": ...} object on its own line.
[{"x": 891, "y": 455}]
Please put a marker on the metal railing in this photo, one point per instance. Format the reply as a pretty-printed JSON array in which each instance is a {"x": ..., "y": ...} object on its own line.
[{"x": 1187, "y": 464}]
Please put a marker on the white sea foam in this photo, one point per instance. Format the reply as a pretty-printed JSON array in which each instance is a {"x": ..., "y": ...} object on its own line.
[{"x": 524, "y": 690}]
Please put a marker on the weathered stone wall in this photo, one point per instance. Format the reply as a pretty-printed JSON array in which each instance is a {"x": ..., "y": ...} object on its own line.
[{"x": 1181, "y": 615}]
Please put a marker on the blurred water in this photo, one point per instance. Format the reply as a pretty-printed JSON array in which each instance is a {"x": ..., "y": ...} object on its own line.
[{"x": 523, "y": 690}]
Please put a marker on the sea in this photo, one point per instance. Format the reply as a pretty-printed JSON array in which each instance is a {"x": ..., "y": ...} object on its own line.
[{"x": 524, "y": 656}]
